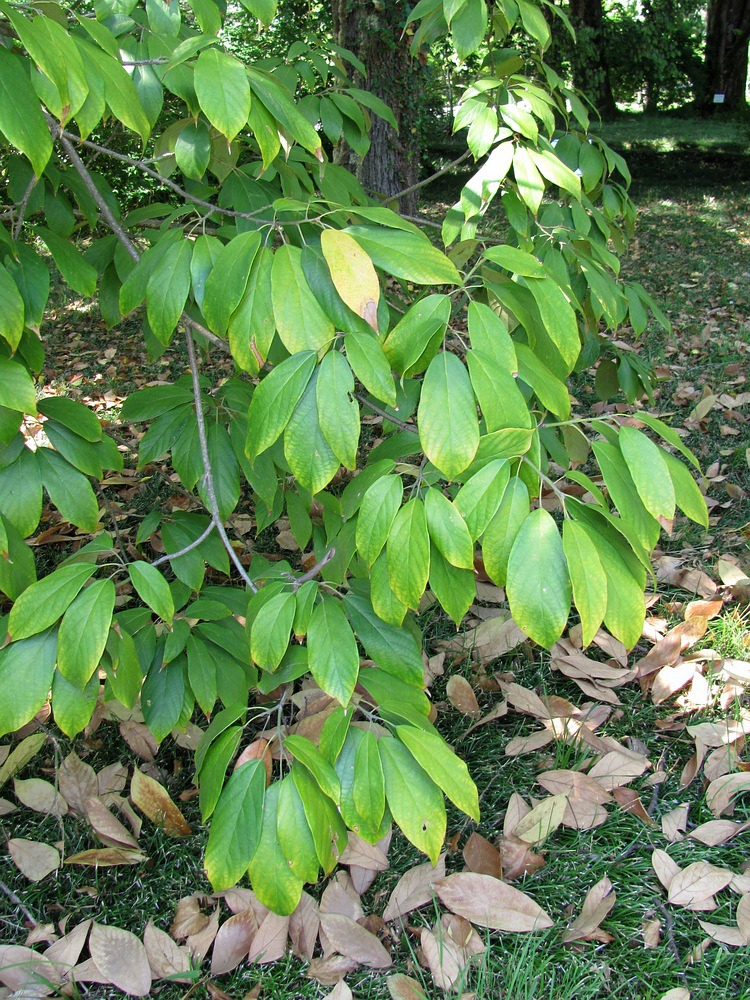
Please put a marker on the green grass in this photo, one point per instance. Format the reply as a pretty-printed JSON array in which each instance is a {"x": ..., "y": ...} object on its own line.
[{"x": 669, "y": 133}]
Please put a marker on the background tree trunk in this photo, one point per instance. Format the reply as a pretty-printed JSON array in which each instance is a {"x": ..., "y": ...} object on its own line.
[
  {"x": 588, "y": 60},
  {"x": 373, "y": 32},
  {"x": 725, "y": 66}
]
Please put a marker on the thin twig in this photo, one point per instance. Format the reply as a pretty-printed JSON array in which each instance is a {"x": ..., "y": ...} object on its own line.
[
  {"x": 430, "y": 179},
  {"x": 314, "y": 570},
  {"x": 23, "y": 205},
  {"x": 113, "y": 518},
  {"x": 17, "y": 902},
  {"x": 188, "y": 548},
  {"x": 669, "y": 927},
  {"x": 384, "y": 414},
  {"x": 208, "y": 478}
]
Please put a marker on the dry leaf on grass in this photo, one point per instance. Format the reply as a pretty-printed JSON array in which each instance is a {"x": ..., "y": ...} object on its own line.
[
  {"x": 403, "y": 987},
  {"x": 354, "y": 942},
  {"x": 139, "y": 738},
  {"x": 678, "y": 993},
  {"x": 166, "y": 959},
  {"x": 461, "y": 695},
  {"x": 20, "y": 756},
  {"x": 651, "y": 931},
  {"x": 674, "y": 823},
  {"x": 188, "y": 919},
  {"x": 233, "y": 941},
  {"x": 743, "y": 916},
  {"x": 618, "y": 768},
  {"x": 724, "y": 934},
  {"x": 76, "y": 782},
  {"x": 542, "y": 820},
  {"x": 40, "y": 795},
  {"x": 269, "y": 944},
  {"x": 24, "y": 969},
  {"x": 698, "y": 882},
  {"x": 34, "y": 859},
  {"x": 720, "y": 792},
  {"x": 517, "y": 859},
  {"x": 598, "y": 902},
  {"x": 105, "y": 857},
  {"x": 576, "y": 783},
  {"x": 199, "y": 944},
  {"x": 630, "y": 801},
  {"x": 122, "y": 958},
  {"x": 340, "y": 992},
  {"x": 489, "y": 903},
  {"x": 340, "y": 897},
  {"x": 67, "y": 950},
  {"x": 414, "y": 889},
  {"x": 154, "y": 802},
  {"x": 108, "y": 827},
  {"x": 717, "y": 831},
  {"x": 443, "y": 958},
  {"x": 482, "y": 857},
  {"x": 665, "y": 867},
  {"x": 330, "y": 970},
  {"x": 304, "y": 924}
]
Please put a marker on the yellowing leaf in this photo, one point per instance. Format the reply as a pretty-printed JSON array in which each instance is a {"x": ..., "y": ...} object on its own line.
[{"x": 352, "y": 273}]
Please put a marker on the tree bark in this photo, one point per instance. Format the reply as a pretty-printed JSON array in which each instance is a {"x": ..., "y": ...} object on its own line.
[
  {"x": 726, "y": 60},
  {"x": 374, "y": 33},
  {"x": 589, "y": 61}
]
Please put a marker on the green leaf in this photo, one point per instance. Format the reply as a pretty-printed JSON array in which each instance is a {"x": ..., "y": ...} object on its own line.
[
  {"x": 21, "y": 492},
  {"x": 587, "y": 576},
  {"x": 126, "y": 677},
  {"x": 370, "y": 365},
  {"x": 528, "y": 178},
  {"x": 43, "y": 603},
  {"x": 73, "y": 707},
  {"x": 75, "y": 269},
  {"x": 468, "y": 28},
  {"x": 18, "y": 570},
  {"x": 549, "y": 390},
  {"x": 332, "y": 651},
  {"x": 167, "y": 290},
  {"x": 278, "y": 101},
  {"x": 223, "y": 91},
  {"x": 270, "y": 631},
  {"x": 338, "y": 413},
  {"x": 406, "y": 255},
  {"x": 489, "y": 333},
  {"x": 153, "y": 589},
  {"x": 252, "y": 323},
  {"x": 352, "y": 274},
  {"x": 414, "y": 799},
  {"x": 214, "y": 769},
  {"x": 264, "y": 10},
  {"x": 21, "y": 119},
  {"x": 76, "y": 416},
  {"x": 376, "y": 513},
  {"x": 226, "y": 284},
  {"x": 649, "y": 471},
  {"x": 415, "y": 339},
  {"x": 326, "y": 825},
  {"x": 305, "y": 751},
  {"x": 11, "y": 310},
  {"x": 408, "y": 553},
  {"x": 333, "y": 733},
  {"x": 368, "y": 786},
  {"x": 538, "y": 584},
  {"x": 500, "y": 400},
  {"x": 384, "y": 602},
  {"x": 192, "y": 150},
  {"x": 395, "y": 650},
  {"x": 479, "y": 498},
  {"x": 226, "y": 471},
  {"x": 454, "y": 588},
  {"x": 201, "y": 674},
  {"x": 624, "y": 494},
  {"x": 119, "y": 90},
  {"x": 294, "y": 833},
  {"x": 448, "y": 530},
  {"x": 163, "y": 696},
  {"x": 271, "y": 876},
  {"x": 274, "y": 401},
  {"x": 670, "y": 435},
  {"x": 26, "y": 670},
  {"x": 626, "y": 608},
  {"x": 16, "y": 387},
  {"x": 292, "y": 300},
  {"x": 83, "y": 632},
  {"x": 688, "y": 496},
  {"x": 305, "y": 448},
  {"x": 236, "y": 826},
  {"x": 448, "y": 425},
  {"x": 558, "y": 317},
  {"x": 443, "y": 766},
  {"x": 68, "y": 489}
]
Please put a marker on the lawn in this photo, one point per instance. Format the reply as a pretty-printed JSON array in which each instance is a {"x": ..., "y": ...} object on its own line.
[{"x": 692, "y": 252}]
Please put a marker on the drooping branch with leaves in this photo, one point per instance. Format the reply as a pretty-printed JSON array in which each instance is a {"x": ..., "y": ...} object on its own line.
[{"x": 253, "y": 242}]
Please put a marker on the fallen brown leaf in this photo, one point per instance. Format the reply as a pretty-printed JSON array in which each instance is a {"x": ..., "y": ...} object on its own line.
[
  {"x": 122, "y": 958},
  {"x": 154, "y": 802},
  {"x": 354, "y": 942},
  {"x": 598, "y": 902},
  {"x": 20, "y": 756},
  {"x": 482, "y": 857},
  {"x": 542, "y": 821},
  {"x": 414, "y": 889},
  {"x": 403, "y": 987},
  {"x": 269, "y": 944},
  {"x": 165, "y": 958},
  {"x": 107, "y": 826},
  {"x": 233, "y": 941},
  {"x": 720, "y": 792},
  {"x": 40, "y": 795},
  {"x": 34, "y": 859},
  {"x": 76, "y": 782},
  {"x": 489, "y": 903},
  {"x": 105, "y": 857},
  {"x": 461, "y": 695},
  {"x": 697, "y": 882}
]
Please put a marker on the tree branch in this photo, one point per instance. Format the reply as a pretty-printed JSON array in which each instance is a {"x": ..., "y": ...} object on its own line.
[
  {"x": 208, "y": 477},
  {"x": 187, "y": 548},
  {"x": 428, "y": 180},
  {"x": 385, "y": 415},
  {"x": 22, "y": 206}
]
